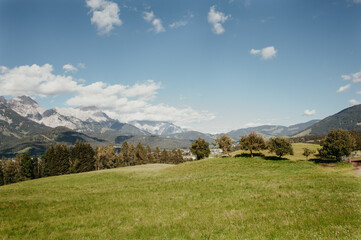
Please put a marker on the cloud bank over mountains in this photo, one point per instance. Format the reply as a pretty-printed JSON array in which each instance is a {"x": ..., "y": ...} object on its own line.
[{"x": 122, "y": 102}]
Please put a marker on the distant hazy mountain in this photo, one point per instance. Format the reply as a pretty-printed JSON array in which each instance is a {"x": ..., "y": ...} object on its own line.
[
  {"x": 192, "y": 135},
  {"x": 158, "y": 127},
  {"x": 155, "y": 141},
  {"x": 348, "y": 119},
  {"x": 272, "y": 130}
]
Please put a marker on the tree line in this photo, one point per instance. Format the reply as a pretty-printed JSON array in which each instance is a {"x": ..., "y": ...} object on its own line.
[
  {"x": 335, "y": 145},
  {"x": 60, "y": 159},
  {"x": 251, "y": 142}
]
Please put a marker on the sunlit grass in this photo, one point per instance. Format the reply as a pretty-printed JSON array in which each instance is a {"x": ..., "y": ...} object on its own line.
[
  {"x": 297, "y": 151},
  {"x": 227, "y": 198}
]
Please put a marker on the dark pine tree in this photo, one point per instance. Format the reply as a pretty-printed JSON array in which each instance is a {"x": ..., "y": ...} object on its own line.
[
  {"x": 49, "y": 161},
  {"x": 164, "y": 156},
  {"x": 156, "y": 155},
  {"x": 131, "y": 155},
  {"x": 27, "y": 167},
  {"x": 141, "y": 154},
  {"x": 2, "y": 171},
  {"x": 149, "y": 154},
  {"x": 125, "y": 153},
  {"x": 82, "y": 157},
  {"x": 61, "y": 154}
]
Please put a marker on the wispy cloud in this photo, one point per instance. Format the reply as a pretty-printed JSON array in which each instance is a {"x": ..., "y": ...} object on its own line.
[
  {"x": 182, "y": 23},
  {"x": 346, "y": 77},
  {"x": 105, "y": 15},
  {"x": 254, "y": 124},
  {"x": 343, "y": 88},
  {"x": 309, "y": 112},
  {"x": 81, "y": 65},
  {"x": 216, "y": 19},
  {"x": 156, "y": 22},
  {"x": 69, "y": 68},
  {"x": 354, "y": 77},
  {"x": 266, "y": 53},
  {"x": 267, "y": 19},
  {"x": 353, "y": 102}
]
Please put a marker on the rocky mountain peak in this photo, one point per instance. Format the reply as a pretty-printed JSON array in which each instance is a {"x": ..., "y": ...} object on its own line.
[{"x": 25, "y": 100}]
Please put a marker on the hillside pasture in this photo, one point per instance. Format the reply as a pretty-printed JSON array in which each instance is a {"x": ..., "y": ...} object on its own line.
[
  {"x": 297, "y": 150},
  {"x": 225, "y": 198}
]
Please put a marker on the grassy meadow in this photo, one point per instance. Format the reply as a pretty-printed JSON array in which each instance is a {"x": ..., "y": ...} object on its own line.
[
  {"x": 222, "y": 198},
  {"x": 297, "y": 151}
]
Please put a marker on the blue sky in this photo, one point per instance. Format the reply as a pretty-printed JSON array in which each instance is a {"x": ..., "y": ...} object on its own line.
[{"x": 206, "y": 65}]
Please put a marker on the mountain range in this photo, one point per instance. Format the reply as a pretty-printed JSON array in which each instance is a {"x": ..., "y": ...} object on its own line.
[
  {"x": 273, "y": 130},
  {"x": 26, "y": 126},
  {"x": 348, "y": 119}
]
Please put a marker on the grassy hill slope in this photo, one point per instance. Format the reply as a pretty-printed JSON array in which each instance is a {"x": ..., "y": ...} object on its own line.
[{"x": 224, "y": 198}]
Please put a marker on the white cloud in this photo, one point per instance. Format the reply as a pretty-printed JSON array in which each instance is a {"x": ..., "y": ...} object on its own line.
[
  {"x": 266, "y": 53},
  {"x": 255, "y": 51},
  {"x": 346, "y": 77},
  {"x": 105, "y": 15},
  {"x": 69, "y": 68},
  {"x": 81, "y": 65},
  {"x": 182, "y": 23},
  {"x": 356, "y": 77},
  {"x": 34, "y": 80},
  {"x": 353, "y": 102},
  {"x": 178, "y": 24},
  {"x": 357, "y": 1},
  {"x": 309, "y": 112},
  {"x": 254, "y": 124},
  {"x": 127, "y": 103},
  {"x": 148, "y": 16},
  {"x": 216, "y": 19},
  {"x": 156, "y": 22},
  {"x": 343, "y": 88}
]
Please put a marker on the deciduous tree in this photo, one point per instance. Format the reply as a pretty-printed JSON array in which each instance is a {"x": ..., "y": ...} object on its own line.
[
  {"x": 224, "y": 143},
  {"x": 252, "y": 142},
  {"x": 307, "y": 152},
  {"x": 337, "y": 143},
  {"x": 200, "y": 148},
  {"x": 280, "y": 146}
]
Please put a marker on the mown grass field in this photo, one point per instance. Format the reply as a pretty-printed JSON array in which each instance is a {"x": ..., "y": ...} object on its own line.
[{"x": 224, "y": 198}]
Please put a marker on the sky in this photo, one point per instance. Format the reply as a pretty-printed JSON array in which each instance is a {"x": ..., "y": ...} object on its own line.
[{"x": 207, "y": 65}]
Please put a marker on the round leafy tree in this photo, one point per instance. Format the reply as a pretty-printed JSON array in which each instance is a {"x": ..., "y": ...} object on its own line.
[
  {"x": 307, "y": 152},
  {"x": 337, "y": 143},
  {"x": 224, "y": 143},
  {"x": 200, "y": 148},
  {"x": 280, "y": 146},
  {"x": 252, "y": 142}
]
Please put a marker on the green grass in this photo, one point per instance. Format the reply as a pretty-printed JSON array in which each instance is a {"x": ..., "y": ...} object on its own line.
[
  {"x": 297, "y": 151},
  {"x": 227, "y": 198}
]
